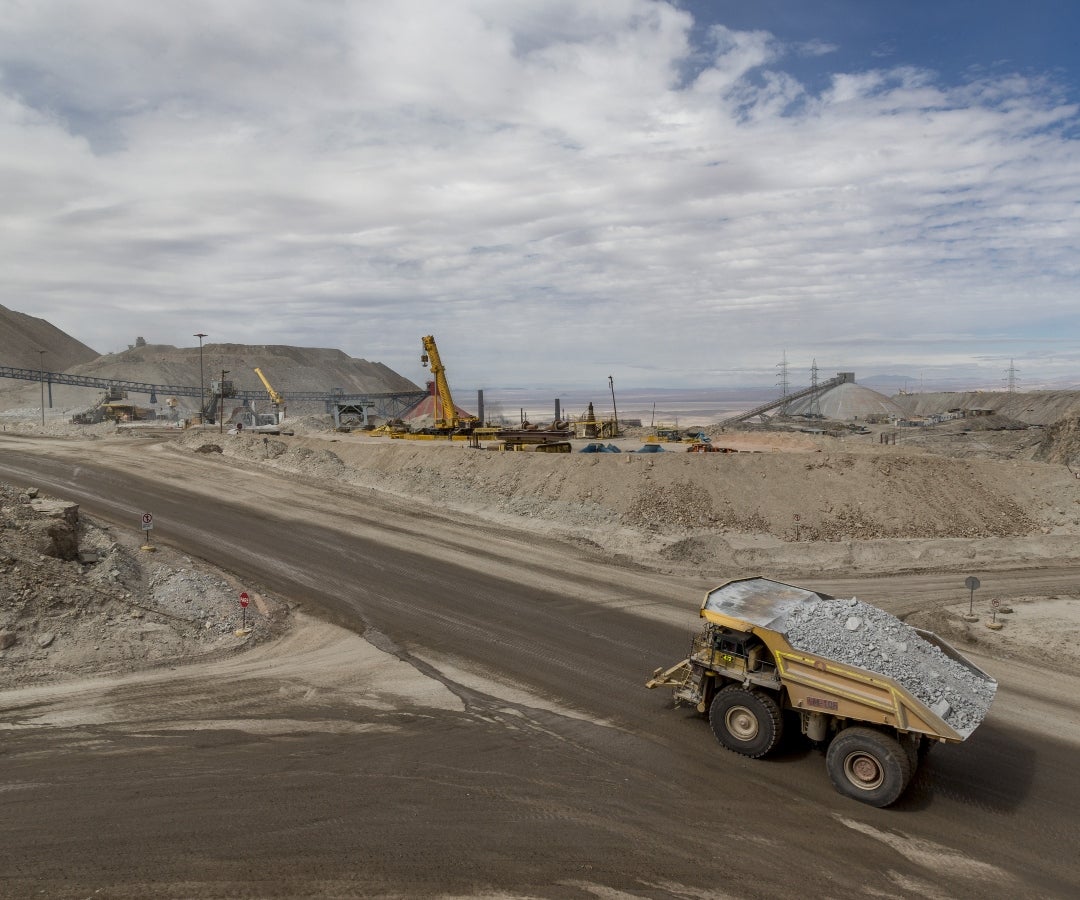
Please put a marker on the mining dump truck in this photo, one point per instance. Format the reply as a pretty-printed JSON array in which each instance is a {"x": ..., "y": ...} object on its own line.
[{"x": 874, "y": 691}]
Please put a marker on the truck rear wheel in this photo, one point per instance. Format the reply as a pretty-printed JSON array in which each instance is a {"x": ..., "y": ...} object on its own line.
[
  {"x": 747, "y": 722},
  {"x": 868, "y": 766}
]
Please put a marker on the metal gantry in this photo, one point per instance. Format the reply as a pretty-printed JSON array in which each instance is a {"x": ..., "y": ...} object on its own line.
[
  {"x": 386, "y": 404},
  {"x": 783, "y": 401}
]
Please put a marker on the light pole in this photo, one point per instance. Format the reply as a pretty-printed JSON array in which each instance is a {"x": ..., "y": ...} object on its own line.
[
  {"x": 202, "y": 390},
  {"x": 221, "y": 391},
  {"x": 611, "y": 383},
  {"x": 41, "y": 373}
]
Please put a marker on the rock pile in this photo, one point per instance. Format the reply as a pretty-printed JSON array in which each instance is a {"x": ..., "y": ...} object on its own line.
[
  {"x": 858, "y": 634},
  {"x": 76, "y": 597}
]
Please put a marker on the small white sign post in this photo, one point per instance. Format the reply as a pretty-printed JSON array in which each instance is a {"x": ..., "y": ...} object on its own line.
[{"x": 147, "y": 527}]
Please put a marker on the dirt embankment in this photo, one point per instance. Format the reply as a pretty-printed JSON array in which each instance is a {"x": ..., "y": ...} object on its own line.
[{"x": 804, "y": 507}]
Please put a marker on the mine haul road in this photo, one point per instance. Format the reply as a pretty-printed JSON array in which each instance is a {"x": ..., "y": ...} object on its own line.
[{"x": 515, "y": 751}]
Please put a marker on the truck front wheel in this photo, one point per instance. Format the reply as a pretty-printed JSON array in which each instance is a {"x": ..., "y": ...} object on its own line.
[
  {"x": 868, "y": 766},
  {"x": 748, "y": 722}
]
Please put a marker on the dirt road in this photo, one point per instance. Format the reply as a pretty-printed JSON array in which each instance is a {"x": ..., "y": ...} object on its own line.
[{"x": 473, "y": 723}]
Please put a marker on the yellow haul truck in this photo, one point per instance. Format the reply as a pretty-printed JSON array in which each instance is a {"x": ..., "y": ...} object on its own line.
[{"x": 748, "y": 666}]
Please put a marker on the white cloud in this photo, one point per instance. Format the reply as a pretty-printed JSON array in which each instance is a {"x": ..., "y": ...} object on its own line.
[{"x": 542, "y": 180}]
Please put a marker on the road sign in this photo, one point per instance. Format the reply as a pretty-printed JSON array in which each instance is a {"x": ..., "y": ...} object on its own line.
[
  {"x": 243, "y": 610},
  {"x": 147, "y": 521},
  {"x": 971, "y": 583}
]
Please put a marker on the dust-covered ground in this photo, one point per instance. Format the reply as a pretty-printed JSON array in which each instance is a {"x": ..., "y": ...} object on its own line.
[
  {"x": 782, "y": 503},
  {"x": 495, "y": 738}
]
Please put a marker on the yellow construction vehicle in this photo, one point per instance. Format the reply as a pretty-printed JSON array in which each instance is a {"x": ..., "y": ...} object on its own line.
[
  {"x": 275, "y": 398},
  {"x": 449, "y": 420},
  {"x": 874, "y": 693}
]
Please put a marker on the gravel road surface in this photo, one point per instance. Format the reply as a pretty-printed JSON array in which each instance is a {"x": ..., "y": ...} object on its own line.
[{"x": 461, "y": 712}]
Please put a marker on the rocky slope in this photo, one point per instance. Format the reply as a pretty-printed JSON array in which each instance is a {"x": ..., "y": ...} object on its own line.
[{"x": 77, "y": 598}]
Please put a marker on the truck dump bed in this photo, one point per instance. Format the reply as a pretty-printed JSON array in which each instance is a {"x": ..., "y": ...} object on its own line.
[{"x": 852, "y": 660}]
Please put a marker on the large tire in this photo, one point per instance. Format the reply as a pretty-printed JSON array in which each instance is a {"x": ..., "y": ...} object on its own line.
[
  {"x": 868, "y": 766},
  {"x": 747, "y": 722}
]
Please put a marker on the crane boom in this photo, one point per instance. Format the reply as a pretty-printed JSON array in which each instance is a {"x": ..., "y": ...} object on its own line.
[
  {"x": 430, "y": 358},
  {"x": 275, "y": 397}
]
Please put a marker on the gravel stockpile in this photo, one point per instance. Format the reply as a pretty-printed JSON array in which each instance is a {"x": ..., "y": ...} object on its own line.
[{"x": 858, "y": 634}]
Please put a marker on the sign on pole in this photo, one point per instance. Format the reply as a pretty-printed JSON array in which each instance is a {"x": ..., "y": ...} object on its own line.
[
  {"x": 972, "y": 584},
  {"x": 147, "y": 522}
]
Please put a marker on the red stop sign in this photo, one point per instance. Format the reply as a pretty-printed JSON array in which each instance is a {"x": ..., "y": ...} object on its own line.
[{"x": 243, "y": 598}]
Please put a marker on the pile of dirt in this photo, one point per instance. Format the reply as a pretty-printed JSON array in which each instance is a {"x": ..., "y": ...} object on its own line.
[
  {"x": 75, "y": 598},
  {"x": 23, "y": 336},
  {"x": 837, "y": 496}
]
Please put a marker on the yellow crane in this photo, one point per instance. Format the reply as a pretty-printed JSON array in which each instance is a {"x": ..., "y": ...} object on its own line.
[
  {"x": 275, "y": 397},
  {"x": 449, "y": 418}
]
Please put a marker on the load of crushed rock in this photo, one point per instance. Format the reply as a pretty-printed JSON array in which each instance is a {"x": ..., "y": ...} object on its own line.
[{"x": 858, "y": 634}]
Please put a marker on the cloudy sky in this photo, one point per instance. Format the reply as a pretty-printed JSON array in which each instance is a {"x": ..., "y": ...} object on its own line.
[{"x": 675, "y": 193}]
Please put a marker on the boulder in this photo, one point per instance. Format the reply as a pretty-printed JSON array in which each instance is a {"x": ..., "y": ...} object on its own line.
[{"x": 58, "y": 530}]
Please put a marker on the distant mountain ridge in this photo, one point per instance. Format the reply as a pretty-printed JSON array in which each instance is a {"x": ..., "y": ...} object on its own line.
[
  {"x": 307, "y": 369},
  {"x": 23, "y": 336}
]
